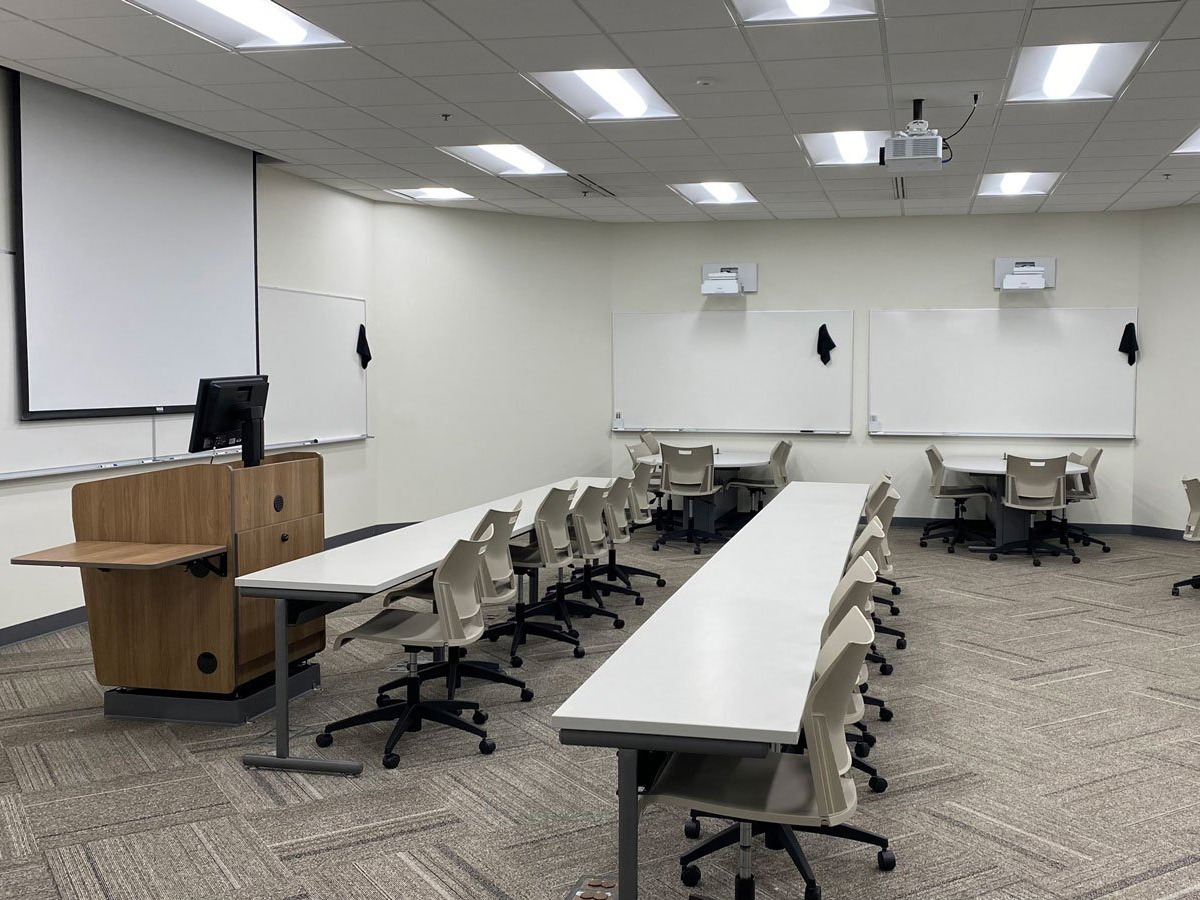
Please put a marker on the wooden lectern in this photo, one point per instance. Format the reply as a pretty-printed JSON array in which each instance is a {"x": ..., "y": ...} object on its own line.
[{"x": 159, "y": 552}]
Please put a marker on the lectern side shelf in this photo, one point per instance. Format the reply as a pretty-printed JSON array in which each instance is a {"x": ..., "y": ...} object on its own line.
[{"x": 125, "y": 555}]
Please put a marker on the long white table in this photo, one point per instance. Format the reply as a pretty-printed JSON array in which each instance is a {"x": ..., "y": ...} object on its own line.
[
  {"x": 314, "y": 585},
  {"x": 724, "y": 666}
]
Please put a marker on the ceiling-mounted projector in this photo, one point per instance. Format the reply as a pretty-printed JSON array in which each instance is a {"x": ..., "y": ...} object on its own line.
[{"x": 916, "y": 149}]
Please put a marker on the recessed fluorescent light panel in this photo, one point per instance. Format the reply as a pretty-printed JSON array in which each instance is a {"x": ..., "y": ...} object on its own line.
[
  {"x": 1191, "y": 145},
  {"x": 756, "y": 11},
  {"x": 602, "y": 95},
  {"x": 242, "y": 24},
  {"x": 845, "y": 148},
  {"x": 1017, "y": 184},
  {"x": 504, "y": 159},
  {"x": 434, "y": 194},
  {"x": 1073, "y": 71},
  {"x": 718, "y": 192}
]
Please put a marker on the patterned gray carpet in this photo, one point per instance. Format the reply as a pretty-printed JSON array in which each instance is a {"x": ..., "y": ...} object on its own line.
[{"x": 1046, "y": 745}]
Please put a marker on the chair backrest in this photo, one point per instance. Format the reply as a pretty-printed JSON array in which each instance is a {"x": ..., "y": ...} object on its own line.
[
  {"x": 637, "y": 451},
  {"x": 869, "y": 540},
  {"x": 1035, "y": 483},
  {"x": 459, "y": 587},
  {"x": 1090, "y": 459},
  {"x": 498, "y": 556},
  {"x": 651, "y": 441},
  {"x": 885, "y": 509},
  {"x": 587, "y": 521},
  {"x": 853, "y": 591},
  {"x": 639, "y": 493},
  {"x": 779, "y": 460},
  {"x": 877, "y": 492},
  {"x": 618, "y": 506},
  {"x": 937, "y": 471},
  {"x": 1192, "y": 531},
  {"x": 688, "y": 470},
  {"x": 824, "y": 716},
  {"x": 550, "y": 527}
]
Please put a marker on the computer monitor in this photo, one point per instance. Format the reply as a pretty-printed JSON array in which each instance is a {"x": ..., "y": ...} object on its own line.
[{"x": 229, "y": 412}]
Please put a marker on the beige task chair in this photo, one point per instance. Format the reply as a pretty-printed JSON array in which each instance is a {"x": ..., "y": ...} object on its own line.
[
  {"x": 589, "y": 548},
  {"x": 501, "y": 587},
  {"x": 550, "y": 550},
  {"x": 1083, "y": 487},
  {"x": 621, "y": 515},
  {"x": 773, "y": 477},
  {"x": 1034, "y": 486},
  {"x": 955, "y": 530},
  {"x": 689, "y": 472},
  {"x": 1191, "y": 531},
  {"x": 651, "y": 441},
  {"x": 652, "y": 486},
  {"x": 782, "y": 793},
  {"x": 459, "y": 588}
]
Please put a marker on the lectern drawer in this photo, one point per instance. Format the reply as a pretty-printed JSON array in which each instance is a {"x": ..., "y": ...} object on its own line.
[
  {"x": 276, "y": 492},
  {"x": 262, "y": 548}
]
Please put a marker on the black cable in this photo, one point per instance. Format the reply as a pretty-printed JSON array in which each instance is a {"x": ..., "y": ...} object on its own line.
[
  {"x": 974, "y": 106},
  {"x": 951, "y": 149}
]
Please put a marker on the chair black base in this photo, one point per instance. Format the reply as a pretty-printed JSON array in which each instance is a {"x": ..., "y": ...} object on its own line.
[
  {"x": 1034, "y": 547},
  {"x": 1058, "y": 528},
  {"x": 690, "y": 533},
  {"x": 614, "y": 571},
  {"x": 1193, "y": 582},
  {"x": 953, "y": 531},
  {"x": 409, "y": 714},
  {"x": 453, "y": 670},
  {"x": 557, "y": 603},
  {"x": 521, "y": 628}
]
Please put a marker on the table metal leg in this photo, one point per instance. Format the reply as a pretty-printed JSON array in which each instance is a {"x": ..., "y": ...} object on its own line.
[
  {"x": 283, "y": 758},
  {"x": 627, "y": 824}
]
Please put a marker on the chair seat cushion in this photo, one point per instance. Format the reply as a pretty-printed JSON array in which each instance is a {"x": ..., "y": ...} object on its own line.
[
  {"x": 750, "y": 484},
  {"x": 954, "y": 491},
  {"x": 398, "y": 626},
  {"x": 777, "y": 788}
]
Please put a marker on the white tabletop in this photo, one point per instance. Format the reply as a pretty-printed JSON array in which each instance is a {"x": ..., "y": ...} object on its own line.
[
  {"x": 731, "y": 655},
  {"x": 991, "y": 465},
  {"x": 381, "y": 562},
  {"x": 728, "y": 459}
]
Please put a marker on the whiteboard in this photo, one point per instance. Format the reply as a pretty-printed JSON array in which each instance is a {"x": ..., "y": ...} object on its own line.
[
  {"x": 138, "y": 256},
  {"x": 1001, "y": 372},
  {"x": 732, "y": 371}
]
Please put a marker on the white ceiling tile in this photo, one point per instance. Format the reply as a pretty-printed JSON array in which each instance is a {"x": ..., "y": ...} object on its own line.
[
  {"x": 958, "y": 65},
  {"x": 1187, "y": 23},
  {"x": 273, "y": 95},
  {"x": 1114, "y": 163},
  {"x": 516, "y": 18},
  {"x": 551, "y": 134},
  {"x": 367, "y": 24},
  {"x": 1143, "y": 110},
  {"x": 1006, "y": 205},
  {"x": 295, "y": 139},
  {"x": 678, "y": 147},
  {"x": 324, "y": 156},
  {"x": 105, "y": 72},
  {"x": 451, "y": 135},
  {"x": 420, "y": 114},
  {"x": 367, "y": 170},
  {"x": 45, "y": 10},
  {"x": 590, "y": 150},
  {"x": 685, "y": 47},
  {"x": 751, "y": 103},
  {"x": 520, "y": 112},
  {"x": 1099, "y": 24},
  {"x": 605, "y": 166},
  {"x": 212, "y": 68},
  {"x": 1160, "y": 146},
  {"x": 968, "y": 31},
  {"x": 482, "y": 88},
  {"x": 718, "y": 77},
  {"x": 1040, "y": 150},
  {"x": 834, "y": 99},
  {"x": 949, "y": 98},
  {"x": 31, "y": 40},
  {"x": 448, "y": 58},
  {"x": 654, "y": 15},
  {"x": 1114, "y": 177},
  {"x": 1072, "y": 205},
  {"x": 235, "y": 120},
  {"x": 1053, "y": 113},
  {"x": 342, "y": 184},
  {"x": 733, "y": 126},
  {"x": 1099, "y": 190},
  {"x": 1172, "y": 56},
  {"x": 175, "y": 97},
  {"x": 1176, "y": 130},
  {"x": 550, "y": 54},
  {"x": 836, "y": 71},
  {"x": 1145, "y": 203},
  {"x": 841, "y": 120},
  {"x": 778, "y": 143},
  {"x": 810, "y": 40},
  {"x": 324, "y": 64},
  {"x": 327, "y": 117},
  {"x": 394, "y": 91},
  {"x": 1039, "y": 134},
  {"x": 143, "y": 35},
  {"x": 698, "y": 163},
  {"x": 743, "y": 162},
  {"x": 934, "y": 7}
]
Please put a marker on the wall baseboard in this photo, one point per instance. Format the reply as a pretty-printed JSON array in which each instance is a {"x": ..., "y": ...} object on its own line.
[
  {"x": 23, "y": 631},
  {"x": 1097, "y": 528}
]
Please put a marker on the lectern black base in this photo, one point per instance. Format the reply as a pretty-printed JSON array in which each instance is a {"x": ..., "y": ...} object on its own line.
[{"x": 252, "y": 700}]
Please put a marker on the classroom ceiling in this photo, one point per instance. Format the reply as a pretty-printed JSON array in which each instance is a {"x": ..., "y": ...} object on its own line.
[{"x": 420, "y": 74}]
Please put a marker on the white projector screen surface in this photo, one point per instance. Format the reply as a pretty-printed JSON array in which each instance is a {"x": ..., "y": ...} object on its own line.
[
  {"x": 1022, "y": 372},
  {"x": 755, "y": 370},
  {"x": 138, "y": 258}
]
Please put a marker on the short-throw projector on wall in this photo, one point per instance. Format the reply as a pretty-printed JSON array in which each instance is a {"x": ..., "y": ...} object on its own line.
[
  {"x": 726, "y": 279},
  {"x": 721, "y": 283}
]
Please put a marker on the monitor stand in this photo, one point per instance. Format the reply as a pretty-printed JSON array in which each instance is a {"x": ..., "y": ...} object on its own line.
[{"x": 253, "y": 446}]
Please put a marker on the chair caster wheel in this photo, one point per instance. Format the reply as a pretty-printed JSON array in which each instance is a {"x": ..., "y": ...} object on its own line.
[
  {"x": 618, "y": 623},
  {"x": 895, "y": 610},
  {"x": 885, "y": 714},
  {"x": 572, "y": 632},
  {"x": 877, "y": 784},
  {"x": 950, "y": 549},
  {"x": 886, "y": 860},
  {"x": 895, "y": 590},
  {"x": 487, "y": 746},
  {"x": 690, "y": 876},
  {"x": 579, "y": 652},
  {"x": 1086, "y": 542},
  {"x": 885, "y": 669},
  {"x": 812, "y": 892},
  {"x": 696, "y": 551},
  {"x": 691, "y": 829},
  {"x": 993, "y": 557},
  {"x": 861, "y": 750},
  {"x": 862, "y": 688},
  {"x": 1056, "y": 554},
  {"x": 383, "y": 700},
  {"x": 654, "y": 547},
  {"x": 493, "y": 637},
  {"x": 1075, "y": 560},
  {"x": 1106, "y": 549},
  {"x": 1174, "y": 592},
  {"x": 391, "y": 761},
  {"x": 324, "y": 739},
  {"x": 870, "y": 739},
  {"x": 902, "y": 644},
  {"x": 1037, "y": 562},
  {"x": 924, "y": 543},
  {"x": 480, "y": 717},
  {"x": 526, "y": 695},
  {"x": 662, "y": 582},
  {"x": 516, "y": 662},
  {"x": 639, "y": 600}
]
